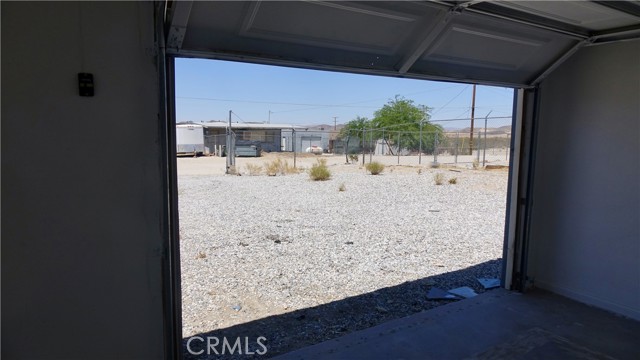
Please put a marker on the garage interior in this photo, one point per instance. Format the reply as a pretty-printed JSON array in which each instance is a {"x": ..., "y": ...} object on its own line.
[{"x": 90, "y": 267}]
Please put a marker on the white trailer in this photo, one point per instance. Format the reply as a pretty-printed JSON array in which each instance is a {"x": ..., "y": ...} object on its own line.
[{"x": 190, "y": 139}]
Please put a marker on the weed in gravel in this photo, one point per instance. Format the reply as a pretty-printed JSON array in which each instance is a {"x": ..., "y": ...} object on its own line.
[
  {"x": 273, "y": 167},
  {"x": 280, "y": 167},
  {"x": 353, "y": 158},
  {"x": 438, "y": 179},
  {"x": 475, "y": 164},
  {"x": 288, "y": 169},
  {"x": 374, "y": 168},
  {"x": 201, "y": 255},
  {"x": 342, "y": 187},
  {"x": 253, "y": 169},
  {"x": 319, "y": 171},
  {"x": 453, "y": 181},
  {"x": 419, "y": 171}
]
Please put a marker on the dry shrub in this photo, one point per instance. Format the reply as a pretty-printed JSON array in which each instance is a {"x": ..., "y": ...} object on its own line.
[
  {"x": 253, "y": 169},
  {"x": 288, "y": 169},
  {"x": 280, "y": 167},
  {"x": 438, "y": 179},
  {"x": 319, "y": 171},
  {"x": 374, "y": 168}
]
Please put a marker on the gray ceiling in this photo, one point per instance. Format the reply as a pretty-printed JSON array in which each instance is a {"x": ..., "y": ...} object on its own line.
[{"x": 513, "y": 43}]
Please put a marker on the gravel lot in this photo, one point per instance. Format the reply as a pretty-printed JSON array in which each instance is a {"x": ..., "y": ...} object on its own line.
[{"x": 300, "y": 262}]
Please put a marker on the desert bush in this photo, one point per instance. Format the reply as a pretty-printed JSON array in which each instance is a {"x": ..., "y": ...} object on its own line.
[
  {"x": 353, "y": 158},
  {"x": 342, "y": 187},
  {"x": 280, "y": 167},
  {"x": 419, "y": 171},
  {"x": 475, "y": 163},
  {"x": 374, "y": 168},
  {"x": 438, "y": 179},
  {"x": 253, "y": 169},
  {"x": 288, "y": 169},
  {"x": 453, "y": 181},
  {"x": 273, "y": 167},
  {"x": 319, "y": 171}
]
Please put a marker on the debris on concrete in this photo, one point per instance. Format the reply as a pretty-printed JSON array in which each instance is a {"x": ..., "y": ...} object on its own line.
[
  {"x": 465, "y": 292},
  {"x": 237, "y": 307},
  {"x": 440, "y": 294},
  {"x": 489, "y": 283}
]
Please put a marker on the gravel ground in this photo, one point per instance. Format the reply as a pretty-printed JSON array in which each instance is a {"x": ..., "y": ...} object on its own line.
[{"x": 300, "y": 262}]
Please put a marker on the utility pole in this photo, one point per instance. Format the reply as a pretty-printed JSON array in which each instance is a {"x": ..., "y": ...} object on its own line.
[
  {"x": 473, "y": 111},
  {"x": 269, "y": 121},
  {"x": 335, "y": 123}
]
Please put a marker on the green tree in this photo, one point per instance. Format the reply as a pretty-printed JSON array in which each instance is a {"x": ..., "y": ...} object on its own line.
[
  {"x": 404, "y": 116},
  {"x": 353, "y": 129}
]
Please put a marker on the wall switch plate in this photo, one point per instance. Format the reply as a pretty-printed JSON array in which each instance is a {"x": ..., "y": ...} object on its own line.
[{"x": 85, "y": 84}]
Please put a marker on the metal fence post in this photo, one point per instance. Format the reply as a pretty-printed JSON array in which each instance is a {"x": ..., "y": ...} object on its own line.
[
  {"x": 457, "y": 144},
  {"x": 435, "y": 148},
  {"x": 370, "y": 144},
  {"x": 362, "y": 142},
  {"x": 420, "y": 151},
  {"x": 478, "y": 151},
  {"x": 484, "y": 151},
  {"x": 293, "y": 146},
  {"x": 230, "y": 148},
  {"x": 398, "y": 149}
]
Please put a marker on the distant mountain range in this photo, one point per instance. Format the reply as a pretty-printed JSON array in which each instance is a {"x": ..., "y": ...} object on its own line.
[{"x": 490, "y": 130}]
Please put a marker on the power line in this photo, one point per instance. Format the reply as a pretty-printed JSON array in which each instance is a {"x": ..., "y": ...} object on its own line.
[
  {"x": 463, "y": 119},
  {"x": 268, "y": 102},
  {"x": 239, "y": 118},
  {"x": 449, "y": 102},
  {"x": 376, "y": 99}
]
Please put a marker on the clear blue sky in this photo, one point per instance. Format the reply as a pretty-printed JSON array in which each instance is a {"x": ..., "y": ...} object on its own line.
[{"x": 208, "y": 89}]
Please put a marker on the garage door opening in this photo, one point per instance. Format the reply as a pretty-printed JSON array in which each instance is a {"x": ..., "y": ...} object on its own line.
[{"x": 280, "y": 261}]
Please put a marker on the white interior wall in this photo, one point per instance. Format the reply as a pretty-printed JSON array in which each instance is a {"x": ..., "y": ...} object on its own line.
[
  {"x": 585, "y": 235},
  {"x": 82, "y": 190}
]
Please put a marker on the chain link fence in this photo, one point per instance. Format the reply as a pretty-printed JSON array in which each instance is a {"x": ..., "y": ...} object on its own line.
[
  {"x": 389, "y": 146},
  {"x": 415, "y": 148}
]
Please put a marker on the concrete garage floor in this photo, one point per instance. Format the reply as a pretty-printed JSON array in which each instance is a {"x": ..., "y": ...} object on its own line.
[{"x": 499, "y": 324}]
